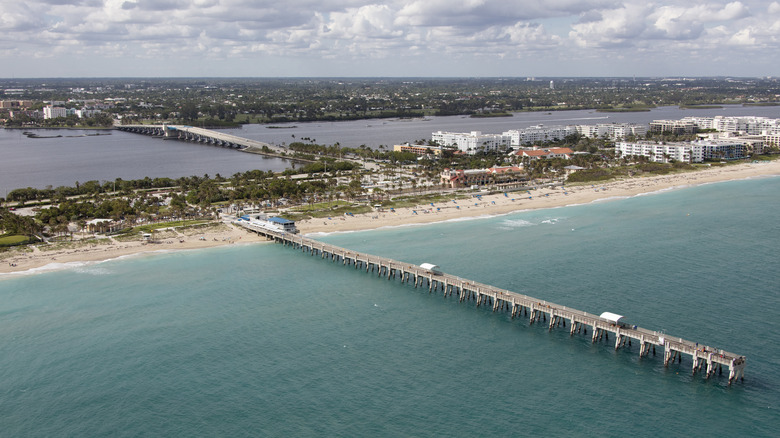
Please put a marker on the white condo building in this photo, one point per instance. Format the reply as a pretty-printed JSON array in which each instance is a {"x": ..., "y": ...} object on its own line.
[
  {"x": 472, "y": 142},
  {"x": 691, "y": 152},
  {"x": 767, "y": 129},
  {"x": 52, "y": 112},
  {"x": 538, "y": 134},
  {"x": 612, "y": 130},
  {"x": 748, "y": 125},
  {"x": 86, "y": 113}
]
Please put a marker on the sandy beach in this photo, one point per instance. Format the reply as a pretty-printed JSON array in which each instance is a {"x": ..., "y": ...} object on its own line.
[
  {"x": 540, "y": 198},
  {"x": 24, "y": 259},
  {"x": 62, "y": 255}
]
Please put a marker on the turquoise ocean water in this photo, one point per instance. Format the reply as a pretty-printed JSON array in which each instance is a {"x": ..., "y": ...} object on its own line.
[{"x": 261, "y": 340}]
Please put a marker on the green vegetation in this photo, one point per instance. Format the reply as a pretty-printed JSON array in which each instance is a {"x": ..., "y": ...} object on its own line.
[
  {"x": 163, "y": 225},
  {"x": 411, "y": 201},
  {"x": 13, "y": 240},
  {"x": 330, "y": 180},
  {"x": 320, "y": 206},
  {"x": 636, "y": 170},
  {"x": 219, "y": 102},
  {"x": 337, "y": 210}
]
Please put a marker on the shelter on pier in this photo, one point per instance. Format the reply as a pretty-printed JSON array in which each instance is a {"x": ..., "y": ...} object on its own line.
[{"x": 613, "y": 317}]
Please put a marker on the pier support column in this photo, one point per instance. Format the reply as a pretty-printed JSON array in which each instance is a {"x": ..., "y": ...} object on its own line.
[
  {"x": 667, "y": 353},
  {"x": 710, "y": 366}
]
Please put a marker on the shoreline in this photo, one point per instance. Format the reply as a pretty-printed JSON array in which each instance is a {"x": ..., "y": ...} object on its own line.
[
  {"x": 21, "y": 261},
  {"x": 500, "y": 204}
]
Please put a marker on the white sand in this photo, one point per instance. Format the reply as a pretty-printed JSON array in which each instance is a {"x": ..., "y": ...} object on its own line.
[{"x": 487, "y": 206}]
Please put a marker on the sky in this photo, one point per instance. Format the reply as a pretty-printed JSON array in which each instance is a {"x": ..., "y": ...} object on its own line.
[{"x": 388, "y": 38}]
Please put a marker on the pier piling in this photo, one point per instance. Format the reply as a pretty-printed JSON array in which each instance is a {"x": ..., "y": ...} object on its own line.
[{"x": 703, "y": 358}]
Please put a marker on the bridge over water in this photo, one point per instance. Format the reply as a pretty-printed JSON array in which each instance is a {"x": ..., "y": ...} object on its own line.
[
  {"x": 201, "y": 135},
  {"x": 703, "y": 358}
]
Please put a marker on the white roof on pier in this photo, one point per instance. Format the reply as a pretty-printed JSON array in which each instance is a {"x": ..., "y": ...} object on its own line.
[{"x": 614, "y": 317}]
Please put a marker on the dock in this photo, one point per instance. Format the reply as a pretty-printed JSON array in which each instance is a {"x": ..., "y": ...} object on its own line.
[{"x": 706, "y": 359}]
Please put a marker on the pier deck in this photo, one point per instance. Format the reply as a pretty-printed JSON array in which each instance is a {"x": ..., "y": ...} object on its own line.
[{"x": 706, "y": 358}]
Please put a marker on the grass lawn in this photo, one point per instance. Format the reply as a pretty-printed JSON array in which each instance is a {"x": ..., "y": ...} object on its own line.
[
  {"x": 181, "y": 223},
  {"x": 13, "y": 240}
]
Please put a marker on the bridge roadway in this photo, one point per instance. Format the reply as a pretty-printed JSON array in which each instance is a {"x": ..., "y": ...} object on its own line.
[
  {"x": 208, "y": 136},
  {"x": 705, "y": 358}
]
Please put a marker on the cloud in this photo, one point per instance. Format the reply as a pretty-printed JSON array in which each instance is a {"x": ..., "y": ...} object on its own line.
[
  {"x": 611, "y": 28},
  {"x": 19, "y": 18},
  {"x": 489, "y": 12},
  {"x": 468, "y": 33}
]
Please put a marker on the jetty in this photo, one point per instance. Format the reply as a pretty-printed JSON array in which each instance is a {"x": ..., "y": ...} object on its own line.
[{"x": 704, "y": 358}]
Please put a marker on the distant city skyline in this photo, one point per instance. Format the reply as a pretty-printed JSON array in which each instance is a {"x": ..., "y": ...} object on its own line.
[{"x": 401, "y": 38}]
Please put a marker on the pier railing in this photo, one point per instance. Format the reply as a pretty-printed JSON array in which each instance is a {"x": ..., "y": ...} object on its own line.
[{"x": 706, "y": 358}]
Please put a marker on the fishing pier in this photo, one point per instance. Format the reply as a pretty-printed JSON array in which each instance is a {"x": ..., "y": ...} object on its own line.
[{"x": 704, "y": 358}]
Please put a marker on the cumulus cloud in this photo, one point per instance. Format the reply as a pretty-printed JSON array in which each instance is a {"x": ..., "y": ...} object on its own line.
[{"x": 381, "y": 29}]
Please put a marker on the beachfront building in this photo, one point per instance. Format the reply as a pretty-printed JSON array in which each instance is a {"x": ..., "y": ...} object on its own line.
[
  {"x": 751, "y": 125},
  {"x": 772, "y": 139},
  {"x": 538, "y": 134},
  {"x": 472, "y": 142},
  {"x": 723, "y": 149},
  {"x": 479, "y": 177},
  {"x": 687, "y": 152},
  {"x": 418, "y": 149},
  {"x": 661, "y": 152},
  {"x": 673, "y": 126},
  {"x": 746, "y": 125},
  {"x": 612, "y": 130}
]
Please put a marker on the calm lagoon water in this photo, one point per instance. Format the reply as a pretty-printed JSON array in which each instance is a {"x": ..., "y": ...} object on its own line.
[
  {"x": 79, "y": 156},
  {"x": 260, "y": 340}
]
